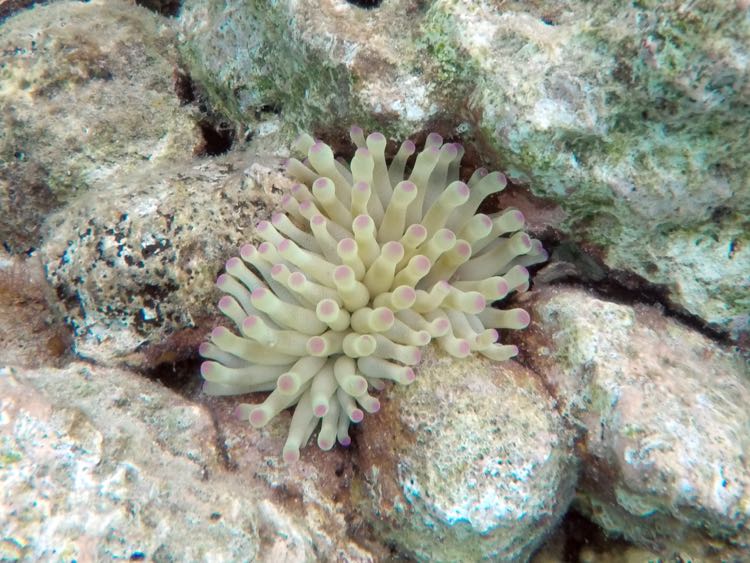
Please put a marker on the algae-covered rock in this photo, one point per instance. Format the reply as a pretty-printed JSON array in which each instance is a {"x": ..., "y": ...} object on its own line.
[
  {"x": 324, "y": 63},
  {"x": 86, "y": 92},
  {"x": 633, "y": 117},
  {"x": 470, "y": 462}
]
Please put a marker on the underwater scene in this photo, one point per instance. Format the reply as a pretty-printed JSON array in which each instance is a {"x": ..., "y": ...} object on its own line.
[{"x": 375, "y": 281}]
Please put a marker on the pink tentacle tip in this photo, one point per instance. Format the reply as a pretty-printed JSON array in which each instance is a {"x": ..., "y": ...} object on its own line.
[
  {"x": 284, "y": 245},
  {"x": 318, "y": 220},
  {"x": 250, "y": 321},
  {"x": 203, "y": 349},
  {"x": 357, "y": 415},
  {"x": 285, "y": 382},
  {"x": 408, "y": 186},
  {"x": 277, "y": 218},
  {"x": 451, "y": 149},
  {"x": 291, "y": 456},
  {"x": 362, "y": 221},
  {"x": 257, "y": 417},
  {"x": 223, "y": 279},
  {"x": 324, "y": 444},
  {"x": 232, "y": 263},
  {"x": 523, "y": 317},
  {"x": 320, "y": 410},
  {"x": 411, "y": 375},
  {"x": 447, "y": 235},
  {"x": 247, "y": 250},
  {"x": 375, "y": 406},
  {"x": 464, "y": 347},
  {"x": 317, "y": 146},
  {"x": 297, "y": 279},
  {"x": 376, "y": 137},
  {"x": 263, "y": 226},
  {"x": 225, "y": 302},
  {"x": 480, "y": 303},
  {"x": 316, "y": 345},
  {"x": 408, "y": 293},
  {"x": 277, "y": 269},
  {"x": 393, "y": 250},
  {"x": 519, "y": 217},
  {"x": 367, "y": 340},
  {"x": 206, "y": 368},
  {"x": 361, "y": 186},
  {"x": 386, "y": 316},
  {"x": 327, "y": 308},
  {"x": 219, "y": 331},
  {"x": 346, "y": 441},
  {"x": 355, "y": 130},
  {"x": 259, "y": 293},
  {"x": 409, "y": 146},
  {"x": 341, "y": 273},
  {"x": 463, "y": 190},
  {"x": 347, "y": 245}
]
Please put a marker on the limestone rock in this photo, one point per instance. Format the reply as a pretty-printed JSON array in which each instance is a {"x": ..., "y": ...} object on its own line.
[
  {"x": 100, "y": 463},
  {"x": 470, "y": 462},
  {"x": 86, "y": 93},
  {"x": 134, "y": 267},
  {"x": 664, "y": 420},
  {"x": 31, "y": 333}
]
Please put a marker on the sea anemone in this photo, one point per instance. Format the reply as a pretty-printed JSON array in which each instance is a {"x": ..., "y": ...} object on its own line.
[{"x": 369, "y": 262}]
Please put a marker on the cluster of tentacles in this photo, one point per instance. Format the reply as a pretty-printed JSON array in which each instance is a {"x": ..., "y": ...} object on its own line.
[{"x": 367, "y": 264}]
